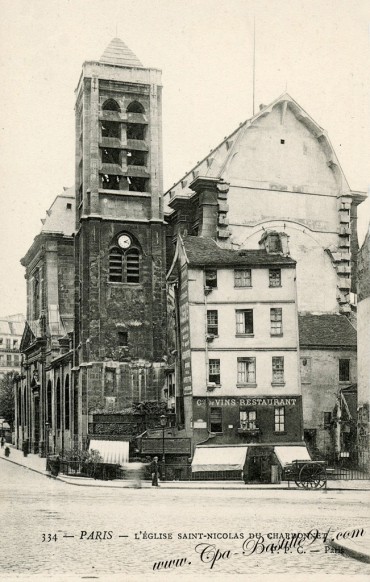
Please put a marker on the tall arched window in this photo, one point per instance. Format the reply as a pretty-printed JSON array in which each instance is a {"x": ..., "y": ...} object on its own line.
[
  {"x": 75, "y": 409},
  {"x": 116, "y": 265},
  {"x": 132, "y": 266},
  {"x": 124, "y": 262},
  {"x": 66, "y": 404},
  {"x": 49, "y": 392},
  {"x": 58, "y": 403},
  {"x": 135, "y": 107},
  {"x": 111, "y": 105}
]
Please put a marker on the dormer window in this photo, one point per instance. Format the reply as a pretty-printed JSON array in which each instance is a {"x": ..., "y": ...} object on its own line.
[{"x": 274, "y": 243}]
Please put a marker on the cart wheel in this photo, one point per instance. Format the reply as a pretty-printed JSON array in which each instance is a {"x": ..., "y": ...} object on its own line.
[
  {"x": 323, "y": 478},
  {"x": 312, "y": 476},
  {"x": 298, "y": 483}
]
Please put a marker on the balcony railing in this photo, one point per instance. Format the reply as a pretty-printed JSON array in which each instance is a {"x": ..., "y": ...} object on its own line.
[{"x": 249, "y": 430}]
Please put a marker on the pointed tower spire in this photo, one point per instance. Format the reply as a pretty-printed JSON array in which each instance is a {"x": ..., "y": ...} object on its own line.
[{"x": 117, "y": 53}]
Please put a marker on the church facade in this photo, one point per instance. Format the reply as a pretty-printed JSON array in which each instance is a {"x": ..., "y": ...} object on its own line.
[{"x": 95, "y": 335}]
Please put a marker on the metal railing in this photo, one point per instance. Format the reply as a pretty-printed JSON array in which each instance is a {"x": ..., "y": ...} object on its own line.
[{"x": 103, "y": 471}]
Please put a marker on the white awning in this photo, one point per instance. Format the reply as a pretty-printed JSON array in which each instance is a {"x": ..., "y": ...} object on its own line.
[
  {"x": 287, "y": 455},
  {"x": 219, "y": 459},
  {"x": 115, "y": 452}
]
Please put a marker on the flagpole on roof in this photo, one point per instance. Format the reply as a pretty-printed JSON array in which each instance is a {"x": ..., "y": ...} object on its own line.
[{"x": 254, "y": 61}]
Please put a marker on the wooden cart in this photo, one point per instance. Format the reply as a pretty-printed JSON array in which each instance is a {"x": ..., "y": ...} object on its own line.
[{"x": 307, "y": 474}]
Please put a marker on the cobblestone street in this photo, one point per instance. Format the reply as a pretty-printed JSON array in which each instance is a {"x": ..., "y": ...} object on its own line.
[{"x": 35, "y": 508}]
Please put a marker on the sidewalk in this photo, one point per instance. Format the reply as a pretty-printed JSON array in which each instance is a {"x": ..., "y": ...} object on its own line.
[
  {"x": 355, "y": 546},
  {"x": 37, "y": 464}
]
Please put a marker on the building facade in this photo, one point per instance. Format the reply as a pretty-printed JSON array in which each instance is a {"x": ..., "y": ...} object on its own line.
[
  {"x": 328, "y": 365},
  {"x": 42, "y": 396},
  {"x": 11, "y": 329},
  {"x": 238, "y": 348},
  {"x": 279, "y": 172},
  {"x": 363, "y": 338},
  {"x": 95, "y": 335}
]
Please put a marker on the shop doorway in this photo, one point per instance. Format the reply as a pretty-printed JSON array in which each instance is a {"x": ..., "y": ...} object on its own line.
[{"x": 258, "y": 467}]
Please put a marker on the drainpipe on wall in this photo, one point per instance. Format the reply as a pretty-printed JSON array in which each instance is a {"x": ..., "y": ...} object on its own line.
[
  {"x": 338, "y": 420},
  {"x": 205, "y": 325}
]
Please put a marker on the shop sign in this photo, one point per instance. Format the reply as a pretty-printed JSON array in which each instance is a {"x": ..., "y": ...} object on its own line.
[{"x": 248, "y": 402}]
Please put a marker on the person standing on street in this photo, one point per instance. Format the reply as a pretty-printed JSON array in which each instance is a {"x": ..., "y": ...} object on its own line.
[
  {"x": 2, "y": 441},
  {"x": 154, "y": 470}
]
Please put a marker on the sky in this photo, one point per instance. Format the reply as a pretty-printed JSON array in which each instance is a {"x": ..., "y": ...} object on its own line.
[{"x": 318, "y": 50}]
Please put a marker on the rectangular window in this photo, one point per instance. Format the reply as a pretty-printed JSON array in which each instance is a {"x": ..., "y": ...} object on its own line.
[
  {"x": 212, "y": 322},
  {"x": 246, "y": 370},
  {"x": 344, "y": 370},
  {"x": 278, "y": 370},
  {"x": 123, "y": 338},
  {"x": 215, "y": 419},
  {"x": 214, "y": 375},
  {"x": 211, "y": 278},
  {"x": 110, "y": 156},
  {"x": 15, "y": 344},
  {"x": 327, "y": 419},
  {"x": 276, "y": 321},
  {"x": 111, "y": 129},
  {"x": 248, "y": 419},
  {"x": 244, "y": 321},
  {"x": 1, "y": 341},
  {"x": 8, "y": 344},
  {"x": 243, "y": 278},
  {"x": 16, "y": 360},
  {"x": 275, "y": 277},
  {"x": 280, "y": 419},
  {"x": 305, "y": 370},
  {"x": 8, "y": 360}
]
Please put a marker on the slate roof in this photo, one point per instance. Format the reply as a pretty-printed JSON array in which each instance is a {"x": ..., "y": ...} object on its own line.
[
  {"x": 327, "y": 330},
  {"x": 201, "y": 251},
  {"x": 117, "y": 53}
]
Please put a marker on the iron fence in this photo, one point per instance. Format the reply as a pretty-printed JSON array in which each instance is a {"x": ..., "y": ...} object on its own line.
[
  {"x": 103, "y": 471},
  {"x": 338, "y": 473}
]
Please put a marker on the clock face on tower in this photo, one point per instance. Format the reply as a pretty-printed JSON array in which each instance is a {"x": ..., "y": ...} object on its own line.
[{"x": 124, "y": 241}]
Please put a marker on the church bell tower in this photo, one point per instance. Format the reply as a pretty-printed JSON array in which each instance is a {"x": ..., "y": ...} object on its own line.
[{"x": 120, "y": 301}]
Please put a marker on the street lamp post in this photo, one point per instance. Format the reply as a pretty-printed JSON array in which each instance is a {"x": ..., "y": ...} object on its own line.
[{"x": 163, "y": 421}]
